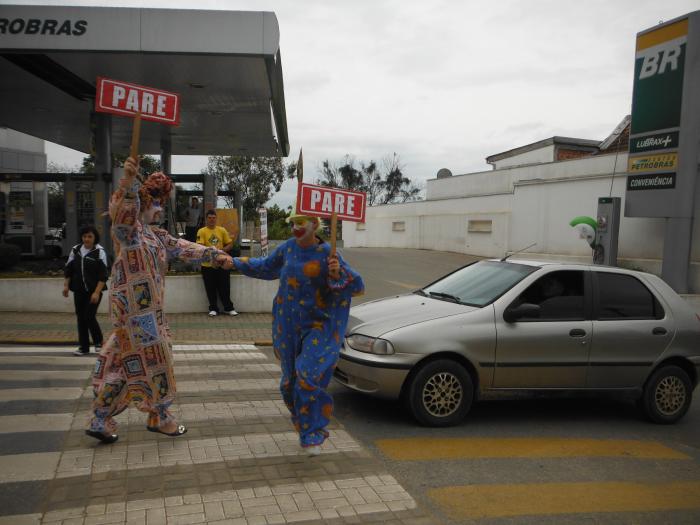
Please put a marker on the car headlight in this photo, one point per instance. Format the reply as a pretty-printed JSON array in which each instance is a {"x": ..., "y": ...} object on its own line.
[{"x": 371, "y": 345}]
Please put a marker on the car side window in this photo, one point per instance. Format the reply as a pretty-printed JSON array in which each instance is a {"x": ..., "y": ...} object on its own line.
[
  {"x": 559, "y": 296},
  {"x": 625, "y": 297}
]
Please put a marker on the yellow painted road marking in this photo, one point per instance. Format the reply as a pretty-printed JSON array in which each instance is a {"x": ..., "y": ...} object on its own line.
[
  {"x": 474, "y": 448},
  {"x": 495, "y": 501}
]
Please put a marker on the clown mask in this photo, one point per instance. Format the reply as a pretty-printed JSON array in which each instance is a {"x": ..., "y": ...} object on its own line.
[
  {"x": 304, "y": 228},
  {"x": 153, "y": 213}
]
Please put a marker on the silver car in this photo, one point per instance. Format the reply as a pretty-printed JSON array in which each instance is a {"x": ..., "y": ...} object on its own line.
[{"x": 507, "y": 325}]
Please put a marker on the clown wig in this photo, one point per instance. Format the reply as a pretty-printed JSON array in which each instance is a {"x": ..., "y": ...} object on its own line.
[{"x": 157, "y": 186}]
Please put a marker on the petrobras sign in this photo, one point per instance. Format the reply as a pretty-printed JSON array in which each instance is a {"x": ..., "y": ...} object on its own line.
[
  {"x": 69, "y": 28},
  {"x": 661, "y": 166},
  {"x": 652, "y": 163},
  {"x": 42, "y": 26}
]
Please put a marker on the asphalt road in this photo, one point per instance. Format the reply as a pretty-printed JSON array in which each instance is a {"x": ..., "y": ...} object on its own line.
[
  {"x": 392, "y": 271},
  {"x": 545, "y": 459}
]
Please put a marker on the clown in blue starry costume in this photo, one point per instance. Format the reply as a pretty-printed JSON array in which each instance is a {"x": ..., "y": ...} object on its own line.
[{"x": 310, "y": 314}]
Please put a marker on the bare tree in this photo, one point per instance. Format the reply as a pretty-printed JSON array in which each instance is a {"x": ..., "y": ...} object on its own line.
[
  {"x": 372, "y": 182},
  {"x": 394, "y": 180}
]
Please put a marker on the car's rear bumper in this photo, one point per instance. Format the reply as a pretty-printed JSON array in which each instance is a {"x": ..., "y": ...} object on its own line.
[{"x": 382, "y": 376}]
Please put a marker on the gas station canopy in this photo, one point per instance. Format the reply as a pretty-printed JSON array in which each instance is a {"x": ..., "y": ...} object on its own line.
[{"x": 225, "y": 65}]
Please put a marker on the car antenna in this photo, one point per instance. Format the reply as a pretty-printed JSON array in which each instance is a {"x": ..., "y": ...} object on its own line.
[{"x": 513, "y": 253}]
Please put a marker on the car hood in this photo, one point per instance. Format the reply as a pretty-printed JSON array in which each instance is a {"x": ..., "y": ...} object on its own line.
[{"x": 376, "y": 318}]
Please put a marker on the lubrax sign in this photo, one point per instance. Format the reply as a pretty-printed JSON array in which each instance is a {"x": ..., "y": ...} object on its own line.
[{"x": 46, "y": 26}]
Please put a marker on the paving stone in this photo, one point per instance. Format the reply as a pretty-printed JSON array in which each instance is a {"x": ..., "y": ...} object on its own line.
[{"x": 239, "y": 463}]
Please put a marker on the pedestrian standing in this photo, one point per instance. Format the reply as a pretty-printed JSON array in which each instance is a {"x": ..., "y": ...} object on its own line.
[
  {"x": 193, "y": 217},
  {"x": 217, "y": 281},
  {"x": 310, "y": 314},
  {"x": 86, "y": 276},
  {"x": 136, "y": 364}
]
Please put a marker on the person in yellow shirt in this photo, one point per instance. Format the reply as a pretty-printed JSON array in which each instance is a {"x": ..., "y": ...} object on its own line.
[{"x": 216, "y": 280}]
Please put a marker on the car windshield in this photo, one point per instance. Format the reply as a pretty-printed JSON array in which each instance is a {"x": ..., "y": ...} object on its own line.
[{"x": 479, "y": 284}]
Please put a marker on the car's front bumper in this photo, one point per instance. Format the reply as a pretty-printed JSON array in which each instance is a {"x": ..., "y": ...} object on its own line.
[{"x": 379, "y": 375}]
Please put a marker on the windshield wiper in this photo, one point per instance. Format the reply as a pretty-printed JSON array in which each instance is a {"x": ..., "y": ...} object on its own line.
[{"x": 442, "y": 295}]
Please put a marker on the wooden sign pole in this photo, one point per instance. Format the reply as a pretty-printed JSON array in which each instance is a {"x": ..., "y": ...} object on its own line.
[
  {"x": 334, "y": 223},
  {"x": 135, "y": 137}
]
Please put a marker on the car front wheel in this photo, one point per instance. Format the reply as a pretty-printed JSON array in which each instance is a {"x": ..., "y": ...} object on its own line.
[
  {"x": 440, "y": 393},
  {"x": 667, "y": 395}
]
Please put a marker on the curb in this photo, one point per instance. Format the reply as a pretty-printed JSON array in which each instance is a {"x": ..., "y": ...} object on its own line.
[{"x": 54, "y": 342}]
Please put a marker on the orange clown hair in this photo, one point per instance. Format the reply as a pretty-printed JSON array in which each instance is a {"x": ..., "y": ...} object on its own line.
[{"x": 156, "y": 186}]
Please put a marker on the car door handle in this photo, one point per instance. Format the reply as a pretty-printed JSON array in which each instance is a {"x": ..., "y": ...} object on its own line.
[
  {"x": 577, "y": 332},
  {"x": 659, "y": 330}
]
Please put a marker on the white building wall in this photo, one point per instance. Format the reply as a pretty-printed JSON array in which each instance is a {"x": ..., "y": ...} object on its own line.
[
  {"x": 537, "y": 156},
  {"x": 537, "y": 208}
]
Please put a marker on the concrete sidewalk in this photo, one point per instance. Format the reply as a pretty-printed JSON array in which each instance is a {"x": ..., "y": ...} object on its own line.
[
  {"x": 60, "y": 328},
  {"x": 240, "y": 462}
]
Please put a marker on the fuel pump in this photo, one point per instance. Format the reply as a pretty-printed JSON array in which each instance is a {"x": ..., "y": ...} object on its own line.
[{"x": 607, "y": 231}]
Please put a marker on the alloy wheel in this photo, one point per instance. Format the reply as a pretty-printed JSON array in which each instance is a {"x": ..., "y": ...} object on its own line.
[
  {"x": 442, "y": 394},
  {"x": 670, "y": 395}
]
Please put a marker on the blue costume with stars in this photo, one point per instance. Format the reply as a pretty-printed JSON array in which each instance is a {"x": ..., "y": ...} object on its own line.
[{"x": 310, "y": 314}]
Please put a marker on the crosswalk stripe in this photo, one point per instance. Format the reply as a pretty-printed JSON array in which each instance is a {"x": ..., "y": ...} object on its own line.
[
  {"x": 47, "y": 361},
  {"x": 472, "y": 448},
  {"x": 37, "y": 375},
  {"x": 53, "y": 393},
  {"x": 21, "y": 519},
  {"x": 182, "y": 451},
  {"x": 35, "y": 423},
  {"x": 213, "y": 385},
  {"x": 286, "y": 503},
  {"x": 233, "y": 411},
  {"x": 249, "y": 347},
  {"x": 28, "y": 467},
  {"x": 498, "y": 501},
  {"x": 219, "y": 356}
]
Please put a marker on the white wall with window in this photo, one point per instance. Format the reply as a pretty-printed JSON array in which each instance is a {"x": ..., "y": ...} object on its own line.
[{"x": 528, "y": 204}]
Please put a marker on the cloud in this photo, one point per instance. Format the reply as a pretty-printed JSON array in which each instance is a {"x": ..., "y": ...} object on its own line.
[{"x": 445, "y": 83}]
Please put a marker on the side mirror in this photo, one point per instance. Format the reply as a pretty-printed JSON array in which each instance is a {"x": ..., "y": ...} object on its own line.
[{"x": 523, "y": 311}]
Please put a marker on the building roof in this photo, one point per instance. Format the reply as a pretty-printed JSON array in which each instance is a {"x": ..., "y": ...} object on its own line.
[
  {"x": 569, "y": 142},
  {"x": 225, "y": 65}
]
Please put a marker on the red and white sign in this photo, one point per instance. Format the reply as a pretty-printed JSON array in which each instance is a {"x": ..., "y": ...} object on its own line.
[
  {"x": 125, "y": 99},
  {"x": 322, "y": 201}
]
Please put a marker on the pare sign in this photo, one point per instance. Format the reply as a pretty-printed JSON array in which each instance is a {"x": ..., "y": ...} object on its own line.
[
  {"x": 321, "y": 201},
  {"x": 125, "y": 99}
]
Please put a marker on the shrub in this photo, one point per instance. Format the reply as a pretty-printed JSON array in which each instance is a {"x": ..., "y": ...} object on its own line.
[{"x": 10, "y": 255}]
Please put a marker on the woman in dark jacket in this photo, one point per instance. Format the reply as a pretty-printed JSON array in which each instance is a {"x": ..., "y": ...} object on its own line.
[{"x": 86, "y": 276}]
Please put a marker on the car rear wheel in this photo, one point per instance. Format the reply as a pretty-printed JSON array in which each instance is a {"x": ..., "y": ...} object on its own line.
[
  {"x": 440, "y": 393},
  {"x": 667, "y": 395}
]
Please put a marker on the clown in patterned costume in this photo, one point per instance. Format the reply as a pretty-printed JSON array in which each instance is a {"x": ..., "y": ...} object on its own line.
[
  {"x": 310, "y": 313},
  {"x": 135, "y": 366}
]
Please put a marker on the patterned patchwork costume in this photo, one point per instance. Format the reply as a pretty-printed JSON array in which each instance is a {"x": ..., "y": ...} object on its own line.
[
  {"x": 310, "y": 314},
  {"x": 135, "y": 365}
]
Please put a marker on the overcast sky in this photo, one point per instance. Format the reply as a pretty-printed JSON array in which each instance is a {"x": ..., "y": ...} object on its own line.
[{"x": 443, "y": 84}]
